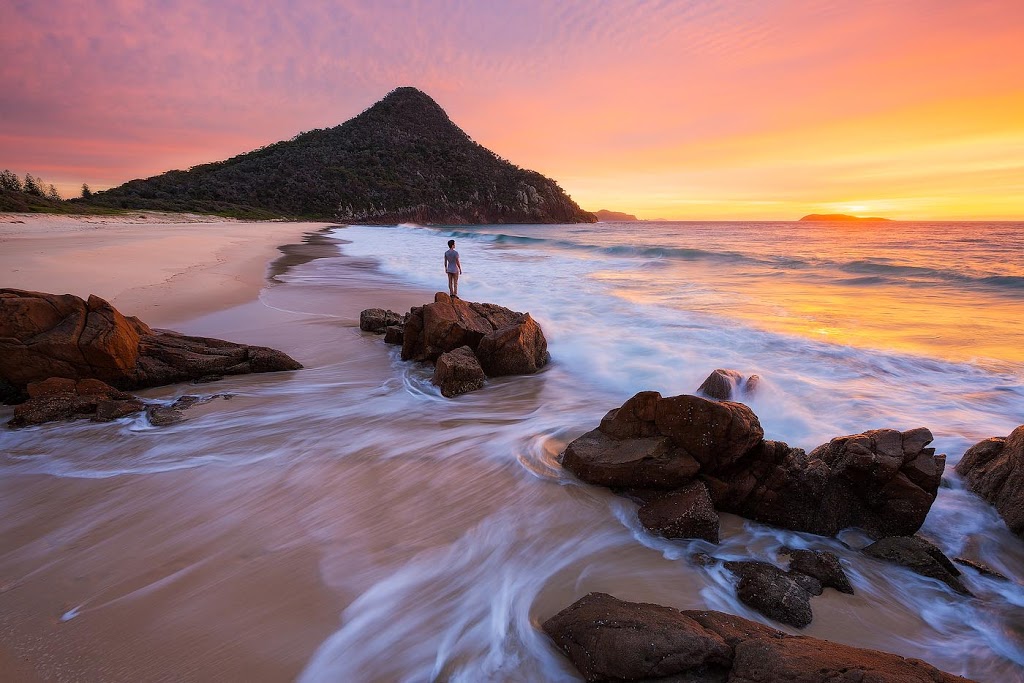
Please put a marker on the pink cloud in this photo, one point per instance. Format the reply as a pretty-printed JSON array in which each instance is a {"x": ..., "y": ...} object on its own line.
[{"x": 107, "y": 91}]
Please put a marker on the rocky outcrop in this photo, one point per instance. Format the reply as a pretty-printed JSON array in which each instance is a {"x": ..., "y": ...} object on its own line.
[
  {"x": 448, "y": 323},
  {"x": 608, "y": 639},
  {"x": 784, "y": 595},
  {"x": 59, "y": 398},
  {"x": 725, "y": 384},
  {"x": 502, "y": 341},
  {"x": 458, "y": 372},
  {"x": 920, "y": 556},
  {"x": 883, "y": 481},
  {"x": 51, "y": 335},
  {"x": 994, "y": 469}
]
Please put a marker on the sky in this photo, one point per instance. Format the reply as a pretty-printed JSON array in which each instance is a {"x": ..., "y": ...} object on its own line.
[{"x": 687, "y": 110}]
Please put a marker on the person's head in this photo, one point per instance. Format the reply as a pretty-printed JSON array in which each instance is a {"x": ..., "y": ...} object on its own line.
[{"x": 451, "y": 244}]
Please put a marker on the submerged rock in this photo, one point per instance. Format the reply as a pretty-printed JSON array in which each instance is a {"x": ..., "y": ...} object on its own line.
[
  {"x": 994, "y": 470},
  {"x": 779, "y": 595},
  {"x": 59, "y": 398},
  {"x": 49, "y": 335},
  {"x": 919, "y": 556},
  {"x": 608, "y": 639},
  {"x": 883, "y": 481}
]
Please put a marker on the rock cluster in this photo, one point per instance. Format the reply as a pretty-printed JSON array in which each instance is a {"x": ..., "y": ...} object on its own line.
[
  {"x": 994, "y": 469},
  {"x": 466, "y": 341},
  {"x": 883, "y": 481},
  {"x": 61, "y": 335},
  {"x": 608, "y": 639},
  {"x": 785, "y": 595},
  {"x": 58, "y": 398}
]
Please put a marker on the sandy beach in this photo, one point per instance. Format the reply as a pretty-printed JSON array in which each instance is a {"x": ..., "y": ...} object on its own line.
[
  {"x": 177, "y": 574},
  {"x": 163, "y": 268}
]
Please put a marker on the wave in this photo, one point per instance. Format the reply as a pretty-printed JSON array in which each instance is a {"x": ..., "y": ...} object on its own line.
[{"x": 875, "y": 272}]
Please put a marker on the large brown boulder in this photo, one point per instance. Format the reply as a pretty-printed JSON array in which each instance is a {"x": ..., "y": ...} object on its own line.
[
  {"x": 50, "y": 335},
  {"x": 519, "y": 348},
  {"x": 883, "y": 481},
  {"x": 994, "y": 469},
  {"x": 608, "y": 639},
  {"x": 449, "y": 323}
]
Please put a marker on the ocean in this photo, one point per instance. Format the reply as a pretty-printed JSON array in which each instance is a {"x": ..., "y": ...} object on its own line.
[{"x": 445, "y": 531}]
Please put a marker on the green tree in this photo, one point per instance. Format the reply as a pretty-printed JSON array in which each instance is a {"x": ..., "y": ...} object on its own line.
[
  {"x": 54, "y": 195},
  {"x": 31, "y": 186},
  {"x": 86, "y": 192},
  {"x": 9, "y": 181}
]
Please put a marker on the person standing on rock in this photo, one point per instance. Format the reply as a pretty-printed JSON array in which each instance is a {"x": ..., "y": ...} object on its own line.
[{"x": 452, "y": 266}]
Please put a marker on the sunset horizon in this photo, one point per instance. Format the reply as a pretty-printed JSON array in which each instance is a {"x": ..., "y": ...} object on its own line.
[{"x": 680, "y": 111}]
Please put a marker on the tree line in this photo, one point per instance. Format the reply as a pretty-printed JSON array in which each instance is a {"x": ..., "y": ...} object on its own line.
[{"x": 33, "y": 186}]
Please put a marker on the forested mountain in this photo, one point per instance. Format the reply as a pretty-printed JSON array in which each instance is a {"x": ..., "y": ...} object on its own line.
[{"x": 400, "y": 160}]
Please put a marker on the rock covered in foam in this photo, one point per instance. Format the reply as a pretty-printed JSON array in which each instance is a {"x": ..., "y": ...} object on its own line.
[{"x": 994, "y": 469}]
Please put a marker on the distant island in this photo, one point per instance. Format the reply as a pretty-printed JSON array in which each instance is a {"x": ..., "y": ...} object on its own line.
[
  {"x": 840, "y": 217},
  {"x": 401, "y": 160},
  {"x": 606, "y": 216}
]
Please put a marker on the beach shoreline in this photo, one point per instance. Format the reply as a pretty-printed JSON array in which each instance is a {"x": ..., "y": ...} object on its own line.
[
  {"x": 93, "y": 585},
  {"x": 162, "y": 268}
]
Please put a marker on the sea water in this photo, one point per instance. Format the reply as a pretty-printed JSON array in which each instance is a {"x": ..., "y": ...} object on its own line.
[
  {"x": 849, "y": 326},
  {"x": 447, "y": 530}
]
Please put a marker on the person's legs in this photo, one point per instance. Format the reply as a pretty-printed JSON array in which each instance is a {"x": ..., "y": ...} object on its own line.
[{"x": 453, "y": 280}]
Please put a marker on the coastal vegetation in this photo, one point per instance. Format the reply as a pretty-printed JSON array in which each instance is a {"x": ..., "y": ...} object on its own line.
[{"x": 400, "y": 160}]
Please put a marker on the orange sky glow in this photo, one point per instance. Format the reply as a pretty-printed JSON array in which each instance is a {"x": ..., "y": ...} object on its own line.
[{"x": 676, "y": 110}]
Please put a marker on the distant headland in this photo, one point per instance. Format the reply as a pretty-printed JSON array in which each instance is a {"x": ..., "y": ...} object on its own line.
[
  {"x": 401, "y": 160},
  {"x": 823, "y": 217},
  {"x": 606, "y": 216}
]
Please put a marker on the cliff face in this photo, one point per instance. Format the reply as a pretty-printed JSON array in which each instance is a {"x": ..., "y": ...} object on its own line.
[{"x": 400, "y": 160}]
